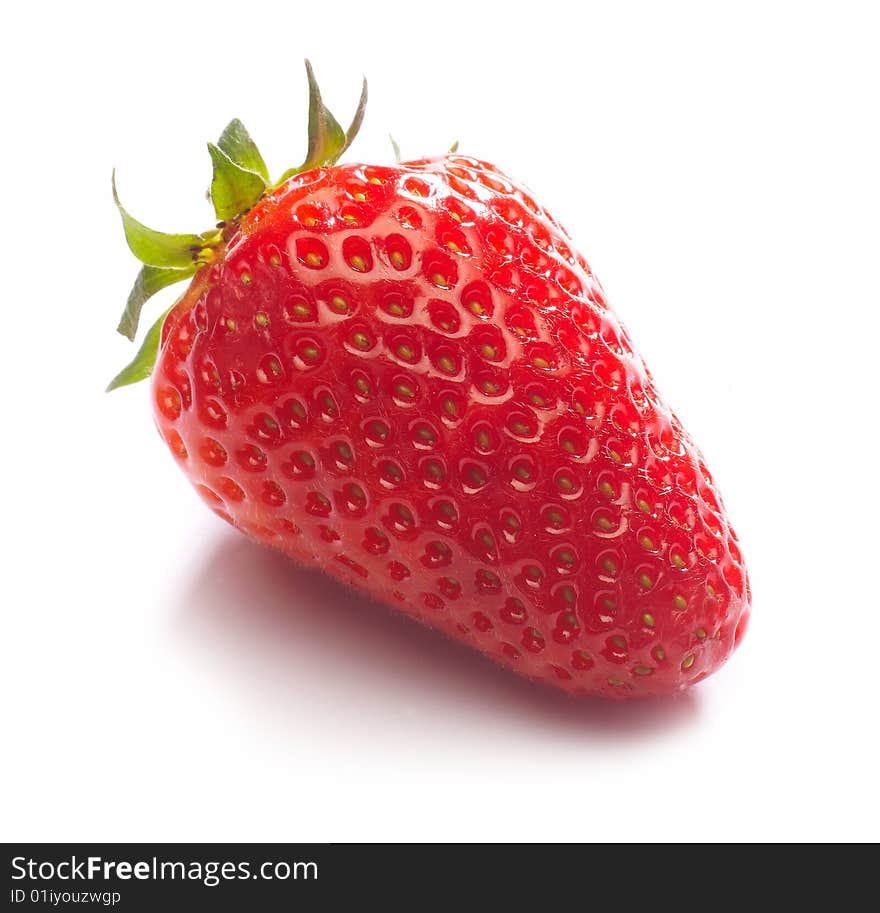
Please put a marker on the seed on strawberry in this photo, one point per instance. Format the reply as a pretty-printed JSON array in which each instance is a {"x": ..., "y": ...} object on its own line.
[{"x": 406, "y": 376}]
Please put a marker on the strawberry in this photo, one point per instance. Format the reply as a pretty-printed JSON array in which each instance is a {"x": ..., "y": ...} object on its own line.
[{"x": 407, "y": 377}]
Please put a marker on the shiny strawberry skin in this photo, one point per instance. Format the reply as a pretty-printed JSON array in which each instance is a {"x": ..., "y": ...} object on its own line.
[{"x": 408, "y": 378}]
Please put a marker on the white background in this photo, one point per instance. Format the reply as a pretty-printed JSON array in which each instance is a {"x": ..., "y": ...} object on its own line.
[{"x": 163, "y": 679}]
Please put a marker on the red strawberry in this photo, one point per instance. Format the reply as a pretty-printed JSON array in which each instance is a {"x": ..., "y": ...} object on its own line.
[{"x": 407, "y": 377}]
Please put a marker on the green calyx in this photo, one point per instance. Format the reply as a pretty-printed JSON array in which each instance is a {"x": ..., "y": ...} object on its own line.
[
  {"x": 240, "y": 179},
  {"x": 327, "y": 140},
  {"x": 141, "y": 366}
]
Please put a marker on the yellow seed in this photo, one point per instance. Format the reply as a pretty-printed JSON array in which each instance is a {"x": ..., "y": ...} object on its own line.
[
  {"x": 648, "y": 619},
  {"x": 488, "y": 351},
  {"x": 314, "y": 259},
  {"x": 357, "y": 262},
  {"x": 607, "y": 489},
  {"x": 361, "y": 197},
  {"x": 609, "y": 566},
  {"x": 397, "y": 258},
  {"x": 309, "y": 221},
  {"x": 446, "y": 364},
  {"x": 476, "y": 308},
  {"x": 405, "y": 352},
  {"x": 261, "y": 320},
  {"x": 453, "y": 246},
  {"x": 539, "y": 362},
  {"x": 647, "y": 543},
  {"x": 688, "y": 661},
  {"x": 440, "y": 280},
  {"x": 361, "y": 340},
  {"x": 643, "y": 670},
  {"x": 646, "y": 581},
  {"x": 246, "y": 278},
  {"x": 677, "y": 560},
  {"x": 643, "y": 506},
  {"x": 616, "y": 682},
  {"x": 339, "y": 304},
  {"x": 680, "y": 602},
  {"x": 604, "y": 523},
  {"x": 700, "y": 633}
]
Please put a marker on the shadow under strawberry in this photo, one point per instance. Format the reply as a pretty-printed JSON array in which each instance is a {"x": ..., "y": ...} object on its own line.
[{"x": 309, "y": 650}]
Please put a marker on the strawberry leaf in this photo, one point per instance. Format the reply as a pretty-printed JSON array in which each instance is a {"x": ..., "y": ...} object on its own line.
[
  {"x": 236, "y": 142},
  {"x": 327, "y": 140},
  {"x": 155, "y": 248},
  {"x": 233, "y": 189},
  {"x": 149, "y": 281},
  {"x": 356, "y": 121},
  {"x": 326, "y": 137},
  {"x": 141, "y": 366}
]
